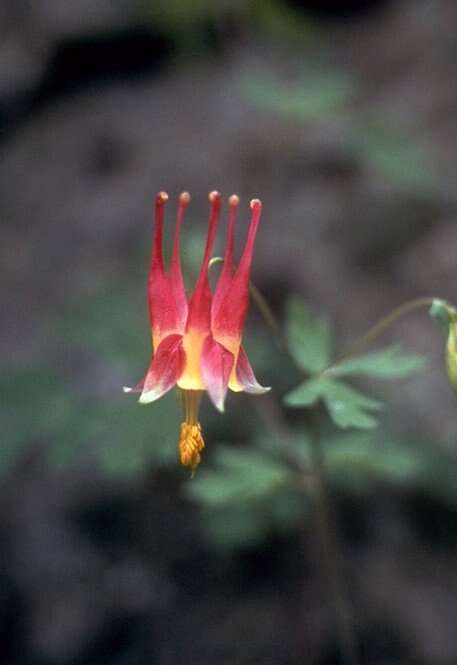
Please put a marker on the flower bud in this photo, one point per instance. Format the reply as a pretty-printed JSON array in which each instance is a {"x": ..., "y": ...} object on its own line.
[
  {"x": 446, "y": 317},
  {"x": 451, "y": 354}
]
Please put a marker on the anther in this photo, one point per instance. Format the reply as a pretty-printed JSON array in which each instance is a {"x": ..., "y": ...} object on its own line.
[
  {"x": 255, "y": 203},
  {"x": 234, "y": 200},
  {"x": 162, "y": 197},
  {"x": 190, "y": 445}
]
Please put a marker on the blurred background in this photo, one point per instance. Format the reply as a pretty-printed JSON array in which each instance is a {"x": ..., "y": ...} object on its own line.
[{"x": 341, "y": 116}]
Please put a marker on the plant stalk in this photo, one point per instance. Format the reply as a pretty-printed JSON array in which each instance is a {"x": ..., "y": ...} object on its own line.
[
  {"x": 375, "y": 331},
  {"x": 325, "y": 519},
  {"x": 331, "y": 552}
]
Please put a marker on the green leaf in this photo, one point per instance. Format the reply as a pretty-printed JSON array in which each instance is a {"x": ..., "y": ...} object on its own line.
[
  {"x": 354, "y": 460},
  {"x": 318, "y": 94},
  {"x": 306, "y": 394},
  {"x": 389, "y": 363},
  {"x": 347, "y": 407},
  {"x": 246, "y": 496},
  {"x": 396, "y": 156},
  {"x": 231, "y": 527},
  {"x": 308, "y": 337},
  {"x": 288, "y": 444},
  {"x": 240, "y": 475}
]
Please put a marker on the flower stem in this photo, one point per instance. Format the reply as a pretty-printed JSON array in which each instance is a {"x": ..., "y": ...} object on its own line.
[
  {"x": 326, "y": 522},
  {"x": 269, "y": 317},
  {"x": 331, "y": 551},
  {"x": 375, "y": 331}
]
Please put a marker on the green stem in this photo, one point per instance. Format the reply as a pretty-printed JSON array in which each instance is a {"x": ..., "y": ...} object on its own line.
[
  {"x": 326, "y": 524},
  {"x": 379, "y": 327},
  {"x": 331, "y": 551},
  {"x": 269, "y": 317}
]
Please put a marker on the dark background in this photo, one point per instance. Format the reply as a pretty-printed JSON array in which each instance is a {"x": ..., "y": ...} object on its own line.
[{"x": 341, "y": 117}]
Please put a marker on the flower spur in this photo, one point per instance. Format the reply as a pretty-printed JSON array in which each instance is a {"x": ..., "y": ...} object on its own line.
[{"x": 197, "y": 343}]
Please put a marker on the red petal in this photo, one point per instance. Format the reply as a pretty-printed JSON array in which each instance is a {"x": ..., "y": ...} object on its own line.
[
  {"x": 225, "y": 278},
  {"x": 200, "y": 304},
  {"x": 245, "y": 375},
  {"x": 176, "y": 278},
  {"x": 228, "y": 321},
  {"x": 216, "y": 364},
  {"x": 165, "y": 311},
  {"x": 165, "y": 369}
]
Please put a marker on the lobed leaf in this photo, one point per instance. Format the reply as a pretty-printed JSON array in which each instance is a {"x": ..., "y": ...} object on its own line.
[
  {"x": 239, "y": 475},
  {"x": 308, "y": 337},
  {"x": 347, "y": 407},
  {"x": 389, "y": 363}
]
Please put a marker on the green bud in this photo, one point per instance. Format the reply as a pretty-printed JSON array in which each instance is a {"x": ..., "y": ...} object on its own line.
[
  {"x": 451, "y": 355},
  {"x": 446, "y": 317},
  {"x": 442, "y": 313}
]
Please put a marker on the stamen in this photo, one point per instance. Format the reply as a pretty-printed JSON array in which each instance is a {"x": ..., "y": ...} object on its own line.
[
  {"x": 191, "y": 444},
  {"x": 191, "y": 441}
]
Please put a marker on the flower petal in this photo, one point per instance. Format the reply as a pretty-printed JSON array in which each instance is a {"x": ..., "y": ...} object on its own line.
[
  {"x": 165, "y": 369},
  {"x": 138, "y": 388},
  {"x": 225, "y": 278},
  {"x": 200, "y": 304},
  {"x": 166, "y": 312},
  {"x": 176, "y": 278},
  {"x": 228, "y": 320},
  {"x": 245, "y": 375},
  {"x": 216, "y": 365}
]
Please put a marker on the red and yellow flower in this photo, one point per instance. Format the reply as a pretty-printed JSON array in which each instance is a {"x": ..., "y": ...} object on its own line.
[{"x": 197, "y": 343}]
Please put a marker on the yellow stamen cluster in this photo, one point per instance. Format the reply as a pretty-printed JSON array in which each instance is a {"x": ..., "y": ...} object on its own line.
[{"x": 191, "y": 444}]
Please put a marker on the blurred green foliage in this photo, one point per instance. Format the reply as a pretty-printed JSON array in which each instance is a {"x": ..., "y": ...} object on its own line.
[
  {"x": 319, "y": 93},
  {"x": 245, "y": 495},
  {"x": 41, "y": 407},
  {"x": 190, "y": 21},
  {"x": 310, "y": 343},
  {"x": 72, "y": 402},
  {"x": 346, "y": 406},
  {"x": 308, "y": 337},
  {"x": 390, "y": 363},
  {"x": 323, "y": 95},
  {"x": 248, "y": 492},
  {"x": 257, "y": 474}
]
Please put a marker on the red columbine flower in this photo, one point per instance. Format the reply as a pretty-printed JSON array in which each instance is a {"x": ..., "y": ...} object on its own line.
[{"x": 197, "y": 344}]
